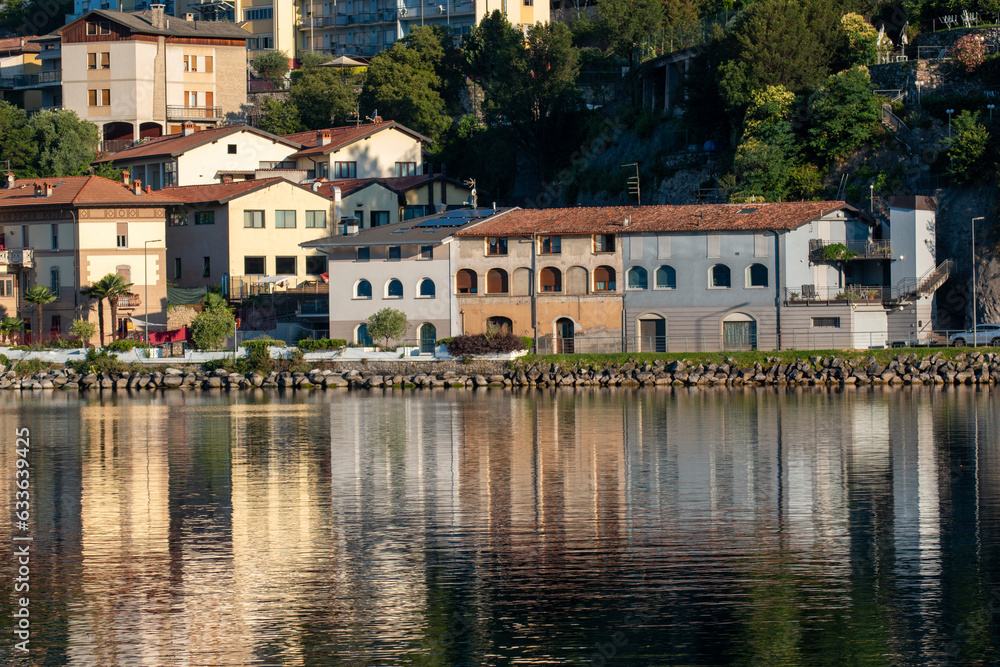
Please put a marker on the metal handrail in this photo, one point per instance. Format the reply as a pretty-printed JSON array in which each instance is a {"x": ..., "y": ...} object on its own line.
[
  {"x": 193, "y": 112},
  {"x": 879, "y": 248}
]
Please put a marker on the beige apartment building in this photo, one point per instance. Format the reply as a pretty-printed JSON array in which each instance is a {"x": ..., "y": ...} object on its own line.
[
  {"x": 240, "y": 233},
  {"x": 144, "y": 74},
  {"x": 371, "y": 150},
  {"x": 69, "y": 232}
]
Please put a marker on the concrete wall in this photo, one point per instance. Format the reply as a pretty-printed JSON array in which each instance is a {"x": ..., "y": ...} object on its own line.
[
  {"x": 375, "y": 197},
  {"x": 202, "y": 165},
  {"x": 376, "y": 156}
]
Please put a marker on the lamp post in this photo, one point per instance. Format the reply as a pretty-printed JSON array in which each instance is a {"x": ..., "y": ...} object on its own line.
[
  {"x": 991, "y": 107},
  {"x": 975, "y": 327},
  {"x": 918, "y": 93},
  {"x": 949, "y": 112},
  {"x": 145, "y": 281}
]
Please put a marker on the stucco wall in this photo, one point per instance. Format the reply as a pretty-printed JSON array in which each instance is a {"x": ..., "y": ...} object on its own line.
[{"x": 376, "y": 156}]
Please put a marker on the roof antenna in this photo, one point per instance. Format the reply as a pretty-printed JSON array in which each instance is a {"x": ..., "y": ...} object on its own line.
[{"x": 633, "y": 183}]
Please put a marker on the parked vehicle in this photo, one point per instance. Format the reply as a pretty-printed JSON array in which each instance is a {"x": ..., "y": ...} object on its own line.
[{"x": 985, "y": 334}]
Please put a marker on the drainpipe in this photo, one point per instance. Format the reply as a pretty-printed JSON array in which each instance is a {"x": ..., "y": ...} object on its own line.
[
  {"x": 531, "y": 292},
  {"x": 777, "y": 284}
]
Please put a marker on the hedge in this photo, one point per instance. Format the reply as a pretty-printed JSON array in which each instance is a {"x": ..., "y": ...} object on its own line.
[
  {"x": 467, "y": 346},
  {"x": 307, "y": 345}
]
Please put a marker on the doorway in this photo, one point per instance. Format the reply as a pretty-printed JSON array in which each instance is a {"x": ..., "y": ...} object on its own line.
[{"x": 565, "y": 332}]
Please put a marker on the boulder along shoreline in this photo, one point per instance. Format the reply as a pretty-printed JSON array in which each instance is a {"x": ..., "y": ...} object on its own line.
[{"x": 905, "y": 369}]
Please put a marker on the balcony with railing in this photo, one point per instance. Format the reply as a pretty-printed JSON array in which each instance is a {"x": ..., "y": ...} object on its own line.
[
  {"x": 17, "y": 256},
  {"x": 833, "y": 251},
  {"x": 50, "y": 78},
  {"x": 126, "y": 301},
  {"x": 193, "y": 113}
]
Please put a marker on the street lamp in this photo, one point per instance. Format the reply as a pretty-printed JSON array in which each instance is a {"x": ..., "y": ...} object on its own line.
[
  {"x": 991, "y": 107},
  {"x": 918, "y": 93},
  {"x": 145, "y": 281},
  {"x": 975, "y": 328},
  {"x": 949, "y": 112}
]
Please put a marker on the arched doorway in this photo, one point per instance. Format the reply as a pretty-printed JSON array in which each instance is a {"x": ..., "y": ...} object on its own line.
[
  {"x": 118, "y": 131},
  {"x": 150, "y": 130},
  {"x": 565, "y": 332},
  {"x": 739, "y": 332},
  {"x": 428, "y": 337},
  {"x": 362, "y": 337},
  {"x": 502, "y": 325},
  {"x": 652, "y": 334}
]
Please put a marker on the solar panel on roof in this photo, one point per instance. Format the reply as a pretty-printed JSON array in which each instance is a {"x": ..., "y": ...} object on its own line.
[{"x": 445, "y": 222}]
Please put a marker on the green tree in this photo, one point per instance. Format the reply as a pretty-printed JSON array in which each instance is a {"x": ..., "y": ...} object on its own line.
[
  {"x": 271, "y": 65},
  {"x": 626, "y": 23},
  {"x": 38, "y": 296},
  {"x": 97, "y": 292},
  {"x": 310, "y": 59},
  {"x": 83, "y": 330},
  {"x": 10, "y": 326},
  {"x": 401, "y": 85},
  {"x": 115, "y": 287},
  {"x": 66, "y": 144},
  {"x": 844, "y": 115},
  {"x": 213, "y": 324},
  {"x": 768, "y": 155},
  {"x": 17, "y": 141},
  {"x": 321, "y": 98},
  {"x": 966, "y": 148},
  {"x": 862, "y": 39},
  {"x": 387, "y": 324},
  {"x": 279, "y": 116}
]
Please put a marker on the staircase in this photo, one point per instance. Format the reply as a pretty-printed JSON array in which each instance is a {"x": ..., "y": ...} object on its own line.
[{"x": 909, "y": 289}]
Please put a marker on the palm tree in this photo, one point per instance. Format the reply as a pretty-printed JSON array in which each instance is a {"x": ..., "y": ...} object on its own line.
[
  {"x": 39, "y": 295},
  {"x": 10, "y": 326},
  {"x": 115, "y": 286},
  {"x": 99, "y": 293}
]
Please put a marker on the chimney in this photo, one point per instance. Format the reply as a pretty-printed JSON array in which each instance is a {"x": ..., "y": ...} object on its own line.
[
  {"x": 149, "y": 189},
  {"x": 43, "y": 189},
  {"x": 189, "y": 17},
  {"x": 10, "y": 180},
  {"x": 137, "y": 186},
  {"x": 323, "y": 137},
  {"x": 441, "y": 208},
  {"x": 351, "y": 226},
  {"x": 126, "y": 176},
  {"x": 158, "y": 20},
  {"x": 189, "y": 129}
]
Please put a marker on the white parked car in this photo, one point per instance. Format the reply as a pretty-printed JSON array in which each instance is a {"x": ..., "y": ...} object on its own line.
[{"x": 985, "y": 334}]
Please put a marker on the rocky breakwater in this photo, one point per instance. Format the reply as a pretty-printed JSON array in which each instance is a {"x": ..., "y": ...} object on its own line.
[{"x": 914, "y": 369}]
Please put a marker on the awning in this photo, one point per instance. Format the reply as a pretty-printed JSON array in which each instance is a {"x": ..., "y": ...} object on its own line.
[
  {"x": 275, "y": 280},
  {"x": 142, "y": 324}
]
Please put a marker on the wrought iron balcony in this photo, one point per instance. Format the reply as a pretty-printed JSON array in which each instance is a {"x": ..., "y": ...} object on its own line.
[
  {"x": 20, "y": 256},
  {"x": 128, "y": 301},
  {"x": 193, "y": 113}
]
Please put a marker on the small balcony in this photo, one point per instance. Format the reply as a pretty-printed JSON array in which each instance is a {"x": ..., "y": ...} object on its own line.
[
  {"x": 193, "y": 113},
  {"x": 24, "y": 257},
  {"x": 128, "y": 301},
  {"x": 50, "y": 78},
  {"x": 833, "y": 251}
]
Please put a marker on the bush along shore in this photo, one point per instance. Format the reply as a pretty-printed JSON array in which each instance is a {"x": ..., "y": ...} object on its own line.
[{"x": 904, "y": 369}]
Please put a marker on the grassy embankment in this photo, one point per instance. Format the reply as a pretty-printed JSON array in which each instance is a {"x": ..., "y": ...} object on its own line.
[{"x": 744, "y": 359}]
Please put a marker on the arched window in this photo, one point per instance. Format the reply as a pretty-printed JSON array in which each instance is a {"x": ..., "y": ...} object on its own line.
[
  {"x": 428, "y": 338},
  {"x": 497, "y": 282},
  {"x": 502, "y": 325},
  {"x": 361, "y": 336},
  {"x": 604, "y": 279},
  {"x": 666, "y": 277},
  {"x": 363, "y": 290},
  {"x": 757, "y": 275},
  {"x": 551, "y": 279},
  {"x": 427, "y": 288},
  {"x": 638, "y": 278},
  {"x": 466, "y": 282},
  {"x": 394, "y": 289},
  {"x": 720, "y": 277}
]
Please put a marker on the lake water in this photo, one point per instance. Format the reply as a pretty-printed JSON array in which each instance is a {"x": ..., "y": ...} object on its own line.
[{"x": 603, "y": 527}]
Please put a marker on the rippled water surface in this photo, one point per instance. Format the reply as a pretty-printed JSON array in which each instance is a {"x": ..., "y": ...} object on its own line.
[{"x": 651, "y": 527}]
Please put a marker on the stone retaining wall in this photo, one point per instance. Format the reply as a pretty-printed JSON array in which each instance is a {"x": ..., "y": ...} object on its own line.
[{"x": 905, "y": 369}]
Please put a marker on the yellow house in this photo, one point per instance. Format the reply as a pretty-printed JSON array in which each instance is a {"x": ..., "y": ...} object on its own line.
[
  {"x": 242, "y": 233},
  {"x": 69, "y": 232},
  {"x": 19, "y": 68}
]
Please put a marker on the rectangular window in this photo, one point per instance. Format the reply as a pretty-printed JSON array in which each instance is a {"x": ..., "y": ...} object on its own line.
[
  {"x": 316, "y": 265},
  {"x": 360, "y": 215},
  {"x": 826, "y": 322},
  {"x": 54, "y": 282},
  {"x": 714, "y": 242},
  {"x": 316, "y": 219},
  {"x": 91, "y": 61},
  {"x": 104, "y": 27},
  {"x": 6, "y": 287},
  {"x": 169, "y": 174},
  {"x": 105, "y": 60},
  {"x": 345, "y": 169},
  {"x": 496, "y": 245},
  {"x": 206, "y": 267},
  {"x": 187, "y": 63},
  {"x": 380, "y": 218},
  {"x": 604, "y": 243},
  {"x": 395, "y": 252},
  {"x": 284, "y": 266},
  {"x": 91, "y": 98},
  {"x": 253, "y": 219},
  {"x": 406, "y": 169},
  {"x": 364, "y": 254},
  {"x": 284, "y": 219},
  {"x": 209, "y": 64},
  {"x": 125, "y": 271},
  {"x": 259, "y": 14},
  {"x": 177, "y": 268},
  {"x": 122, "y": 235},
  {"x": 231, "y": 149},
  {"x": 194, "y": 64},
  {"x": 323, "y": 170},
  {"x": 550, "y": 245},
  {"x": 635, "y": 247},
  {"x": 55, "y": 237},
  {"x": 426, "y": 252},
  {"x": 106, "y": 97},
  {"x": 204, "y": 218},
  {"x": 190, "y": 98},
  {"x": 253, "y": 266},
  {"x": 760, "y": 245},
  {"x": 663, "y": 247}
]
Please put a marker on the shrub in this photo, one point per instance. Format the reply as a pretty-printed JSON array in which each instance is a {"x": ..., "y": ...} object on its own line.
[
  {"x": 464, "y": 346},
  {"x": 99, "y": 361},
  {"x": 126, "y": 345},
  {"x": 83, "y": 330},
  {"x": 445, "y": 341},
  {"x": 4, "y": 360},
  {"x": 528, "y": 341},
  {"x": 258, "y": 355},
  {"x": 966, "y": 148},
  {"x": 31, "y": 366},
  {"x": 970, "y": 52},
  {"x": 214, "y": 324},
  {"x": 308, "y": 345}
]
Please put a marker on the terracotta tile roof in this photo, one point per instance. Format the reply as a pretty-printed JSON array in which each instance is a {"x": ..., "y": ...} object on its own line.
[
  {"x": 78, "y": 191},
  {"x": 142, "y": 22},
  {"x": 703, "y": 218},
  {"x": 175, "y": 144},
  {"x": 344, "y": 136},
  {"x": 219, "y": 192},
  {"x": 21, "y": 44}
]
